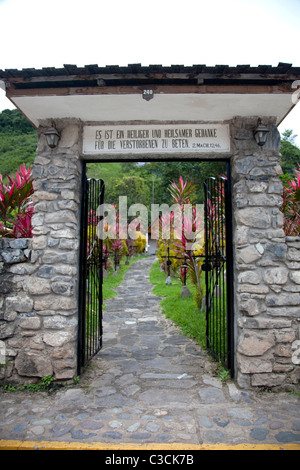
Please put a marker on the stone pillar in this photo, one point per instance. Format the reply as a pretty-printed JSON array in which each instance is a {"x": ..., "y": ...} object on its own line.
[
  {"x": 50, "y": 347},
  {"x": 266, "y": 314}
]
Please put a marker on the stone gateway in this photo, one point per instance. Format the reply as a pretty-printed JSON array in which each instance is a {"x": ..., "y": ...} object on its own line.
[{"x": 195, "y": 113}]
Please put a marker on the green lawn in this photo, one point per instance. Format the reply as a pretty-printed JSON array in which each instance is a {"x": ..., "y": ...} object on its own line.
[{"x": 183, "y": 311}]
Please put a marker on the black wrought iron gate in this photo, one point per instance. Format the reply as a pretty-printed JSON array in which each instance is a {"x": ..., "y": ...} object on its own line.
[
  {"x": 91, "y": 274},
  {"x": 218, "y": 270}
]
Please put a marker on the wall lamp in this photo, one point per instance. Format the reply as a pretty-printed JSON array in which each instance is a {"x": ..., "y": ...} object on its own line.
[
  {"x": 52, "y": 137},
  {"x": 261, "y": 133}
]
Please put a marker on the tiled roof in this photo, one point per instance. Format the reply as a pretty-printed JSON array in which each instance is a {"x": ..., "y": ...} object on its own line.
[{"x": 264, "y": 71}]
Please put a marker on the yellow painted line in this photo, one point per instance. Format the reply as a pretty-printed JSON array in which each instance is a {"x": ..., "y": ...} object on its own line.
[{"x": 57, "y": 445}]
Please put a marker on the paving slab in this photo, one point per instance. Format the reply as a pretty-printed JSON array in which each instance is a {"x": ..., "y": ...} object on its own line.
[{"x": 149, "y": 387}]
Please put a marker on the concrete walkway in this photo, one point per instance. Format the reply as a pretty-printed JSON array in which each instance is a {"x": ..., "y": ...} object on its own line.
[{"x": 149, "y": 384}]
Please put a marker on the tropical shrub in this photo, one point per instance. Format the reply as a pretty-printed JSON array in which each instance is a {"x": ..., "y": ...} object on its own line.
[
  {"x": 186, "y": 241},
  {"x": 140, "y": 242},
  {"x": 16, "y": 208},
  {"x": 291, "y": 205}
]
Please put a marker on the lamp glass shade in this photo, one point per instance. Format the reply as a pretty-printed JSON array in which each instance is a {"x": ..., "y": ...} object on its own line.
[
  {"x": 52, "y": 137},
  {"x": 261, "y": 134}
]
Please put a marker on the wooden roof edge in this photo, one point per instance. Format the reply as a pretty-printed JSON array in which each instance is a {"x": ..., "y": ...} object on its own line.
[{"x": 282, "y": 70}]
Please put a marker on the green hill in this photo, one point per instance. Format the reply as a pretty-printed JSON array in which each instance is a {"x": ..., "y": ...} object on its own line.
[{"x": 18, "y": 140}]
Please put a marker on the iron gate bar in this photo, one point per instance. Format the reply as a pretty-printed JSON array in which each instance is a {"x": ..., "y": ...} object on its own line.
[
  {"x": 218, "y": 252},
  {"x": 91, "y": 275},
  {"x": 229, "y": 278}
]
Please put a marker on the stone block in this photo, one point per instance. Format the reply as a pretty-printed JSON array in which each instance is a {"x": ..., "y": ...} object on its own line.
[
  {"x": 58, "y": 322},
  {"x": 37, "y": 343},
  {"x": 295, "y": 277},
  {"x": 263, "y": 323},
  {"x": 19, "y": 243},
  {"x": 67, "y": 351},
  {"x": 68, "y": 204},
  {"x": 45, "y": 271},
  {"x": 252, "y": 307},
  {"x": 63, "y": 233},
  {"x": 283, "y": 350},
  {"x": 276, "y": 275},
  {"x": 63, "y": 288},
  {"x": 244, "y": 165},
  {"x": 6, "y": 284},
  {"x": 267, "y": 380},
  {"x": 282, "y": 300},
  {"x": 293, "y": 254},
  {"x": 285, "y": 336},
  {"x": 7, "y": 330},
  {"x": 18, "y": 303},
  {"x": 37, "y": 220},
  {"x": 8, "y": 315},
  {"x": 254, "y": 217},
  {"x": 54, "y": 257},
  {"x": 65, "y": 374},
  {"x": 255, "y": 343},
  {"x": 13, "y": 256},
  {"x": 39, "y": 243},
  {"x": 29, "y": 323},
  {"x": 43, "y": 196},
  {"x": 68, "y": 244},
  {"x": 250, "y": 277},
  {"x": 69, "y": 136},
  {"x": 31, "y": 364},
  {"x": 56, "y": 303},
  {"x": 284, "y": 311},
  {"x": 63, "y": 216},
  {"x": 276, "y": 251},
  {"x": 248, "y": 255},
  {"x": 37, "y": 286},
  {"x": 253, "y": 289},
  {"x": 57, "y": 339},
  {"x": 250, "y": 365}
]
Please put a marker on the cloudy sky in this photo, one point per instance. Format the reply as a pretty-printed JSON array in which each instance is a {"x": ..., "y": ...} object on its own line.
[{"x": 40, "y": 33}]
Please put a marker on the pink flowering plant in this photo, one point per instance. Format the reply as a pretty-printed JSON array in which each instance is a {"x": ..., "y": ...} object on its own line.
[
  {"x": 16, "y": 208},
  {"x": 291, "y": 205}
]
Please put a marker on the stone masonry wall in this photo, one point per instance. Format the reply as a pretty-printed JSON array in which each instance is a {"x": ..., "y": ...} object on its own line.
[
  {"x": 39, "y": 297},
  {"x": 39, "y": 277},
  {"x": 267, "y": 264}
]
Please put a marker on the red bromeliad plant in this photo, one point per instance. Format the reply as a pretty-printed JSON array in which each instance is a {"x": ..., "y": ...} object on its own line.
[
  {"x": 16, "y": 208},
  {"x": 291, "y": 206},
  {"x": 188, "y": 244},
  {"x": 183, "y": 192}
]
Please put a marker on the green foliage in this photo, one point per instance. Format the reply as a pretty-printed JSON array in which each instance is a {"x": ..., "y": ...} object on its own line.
[
  {"x": 223, "y": 373},
  {"x": 18, "y": 140},
  {"x": 12, "y": 121},
  {"x": 183, "y": 311},
  {"x": 290, "y": 152},
  {"x": 16, "y": 209},
  {"x": 15, "y": 150},
  {"x": 134, "y": 187},
  {"x": 44, "y": 384},
  {"x": 291, "y": 203},
  {"x": 165, "y": 173}
]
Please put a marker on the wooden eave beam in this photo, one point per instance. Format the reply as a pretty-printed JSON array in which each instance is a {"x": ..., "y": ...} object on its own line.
[
  {"x": 283, "y": 88},
  {"x": 153, "y": 76}
]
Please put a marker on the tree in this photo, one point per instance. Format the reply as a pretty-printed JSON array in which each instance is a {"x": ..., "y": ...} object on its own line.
[
  {"x": 134, "y": 187},
  {"x": 165, "y": 173},
  {"x": 12, "y": 121},
  {"x": 290, "y": 152}
]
